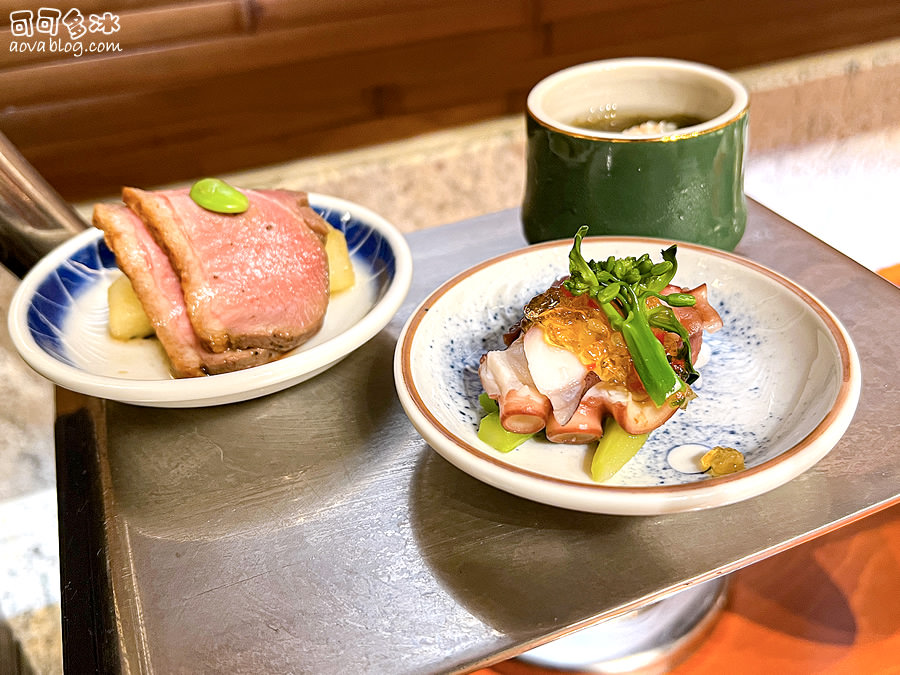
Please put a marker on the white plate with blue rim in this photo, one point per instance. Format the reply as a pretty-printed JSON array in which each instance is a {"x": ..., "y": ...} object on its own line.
[
  {"x": 58, "y": 320},
  {"x": 781, "y": 384}
]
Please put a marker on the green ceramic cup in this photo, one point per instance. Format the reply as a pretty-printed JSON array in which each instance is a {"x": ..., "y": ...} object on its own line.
[{"x": 685, "y": 185}]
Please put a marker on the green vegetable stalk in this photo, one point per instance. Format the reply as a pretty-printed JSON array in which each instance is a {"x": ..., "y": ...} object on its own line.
[
  {"x": 621, "y": 286},
  {"x": 491, "y": 431},
  {"x": 614, "y": 450}
]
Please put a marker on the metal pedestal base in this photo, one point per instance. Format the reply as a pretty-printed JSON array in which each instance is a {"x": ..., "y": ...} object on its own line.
[{"x": 646, "y": 641}]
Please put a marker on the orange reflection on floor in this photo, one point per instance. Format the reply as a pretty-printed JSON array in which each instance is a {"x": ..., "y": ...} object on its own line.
[
  {"x": 891, "y": 273},
  {"x": 830, "y": 606}
]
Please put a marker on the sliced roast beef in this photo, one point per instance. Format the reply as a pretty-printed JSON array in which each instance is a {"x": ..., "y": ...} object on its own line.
[
  {"x": 159, "y": 290},
  {"x": 255, "y": 280}
]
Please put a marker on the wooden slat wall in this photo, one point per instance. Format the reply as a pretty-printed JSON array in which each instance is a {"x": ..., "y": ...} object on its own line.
[{"x": 219, "y": 85}]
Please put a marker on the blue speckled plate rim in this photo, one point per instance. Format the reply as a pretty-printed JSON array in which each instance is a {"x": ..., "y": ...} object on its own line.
[
  {"x": 159, "y": 392},
  {"x": 847, "y": 395}
]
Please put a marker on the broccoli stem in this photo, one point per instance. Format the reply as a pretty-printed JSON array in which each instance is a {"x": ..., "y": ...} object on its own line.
[
  {"x": 621, "y": 288},
  {"x": 650, "y": 359}
]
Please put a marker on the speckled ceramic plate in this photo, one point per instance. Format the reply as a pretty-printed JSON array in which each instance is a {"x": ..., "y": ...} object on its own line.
[
  {"x": 58, "y": 321},
  {"x": 780, "y": 384}
]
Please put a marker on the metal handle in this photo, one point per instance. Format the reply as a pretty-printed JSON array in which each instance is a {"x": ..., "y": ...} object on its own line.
[{"x": 34, "y": 218}]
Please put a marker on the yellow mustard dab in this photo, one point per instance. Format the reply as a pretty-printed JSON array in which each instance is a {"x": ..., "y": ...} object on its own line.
[{"x": 721, "y": 461}]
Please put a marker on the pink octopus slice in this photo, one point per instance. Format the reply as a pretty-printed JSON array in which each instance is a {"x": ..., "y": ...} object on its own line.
[{"x": 506, "y": 379}]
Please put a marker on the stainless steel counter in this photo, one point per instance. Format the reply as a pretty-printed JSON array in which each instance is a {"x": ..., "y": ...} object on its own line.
[{"x": 314, "y": 531}]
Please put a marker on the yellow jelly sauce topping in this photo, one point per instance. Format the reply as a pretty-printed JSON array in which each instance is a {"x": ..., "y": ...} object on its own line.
[{"x": 574, "y": 323}]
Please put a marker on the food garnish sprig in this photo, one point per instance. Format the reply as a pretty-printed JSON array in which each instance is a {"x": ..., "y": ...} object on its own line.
[{"x": 621, "y": 287}]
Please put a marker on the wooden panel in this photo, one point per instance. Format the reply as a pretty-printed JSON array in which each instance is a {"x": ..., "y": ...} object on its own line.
[
  {"x": 551, "y": 11},
  {"x": 266, "y": 115},
  {"x": 190, "y": 155},
  {"x": 143, "y": 117},
  {"x": 86, "y": 7},
  {"x": 407, "y": 67},
  {"x": 292, "y": 11},
  {"x": 219, "y": 85},
  {"x": 280, "y": 12},
  {"x": 724, "y": 33},
  {"x": 219, "y": 58},
  {"x": 467, "y": 16}
]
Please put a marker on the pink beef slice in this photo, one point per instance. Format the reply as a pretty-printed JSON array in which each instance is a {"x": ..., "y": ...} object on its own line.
[
  {"x": 159, "y": 290},
  {"x": 257, "y": 279}
]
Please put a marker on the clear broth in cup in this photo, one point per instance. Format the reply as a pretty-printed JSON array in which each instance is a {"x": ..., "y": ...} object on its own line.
[{"x": 609, "y": 119}]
